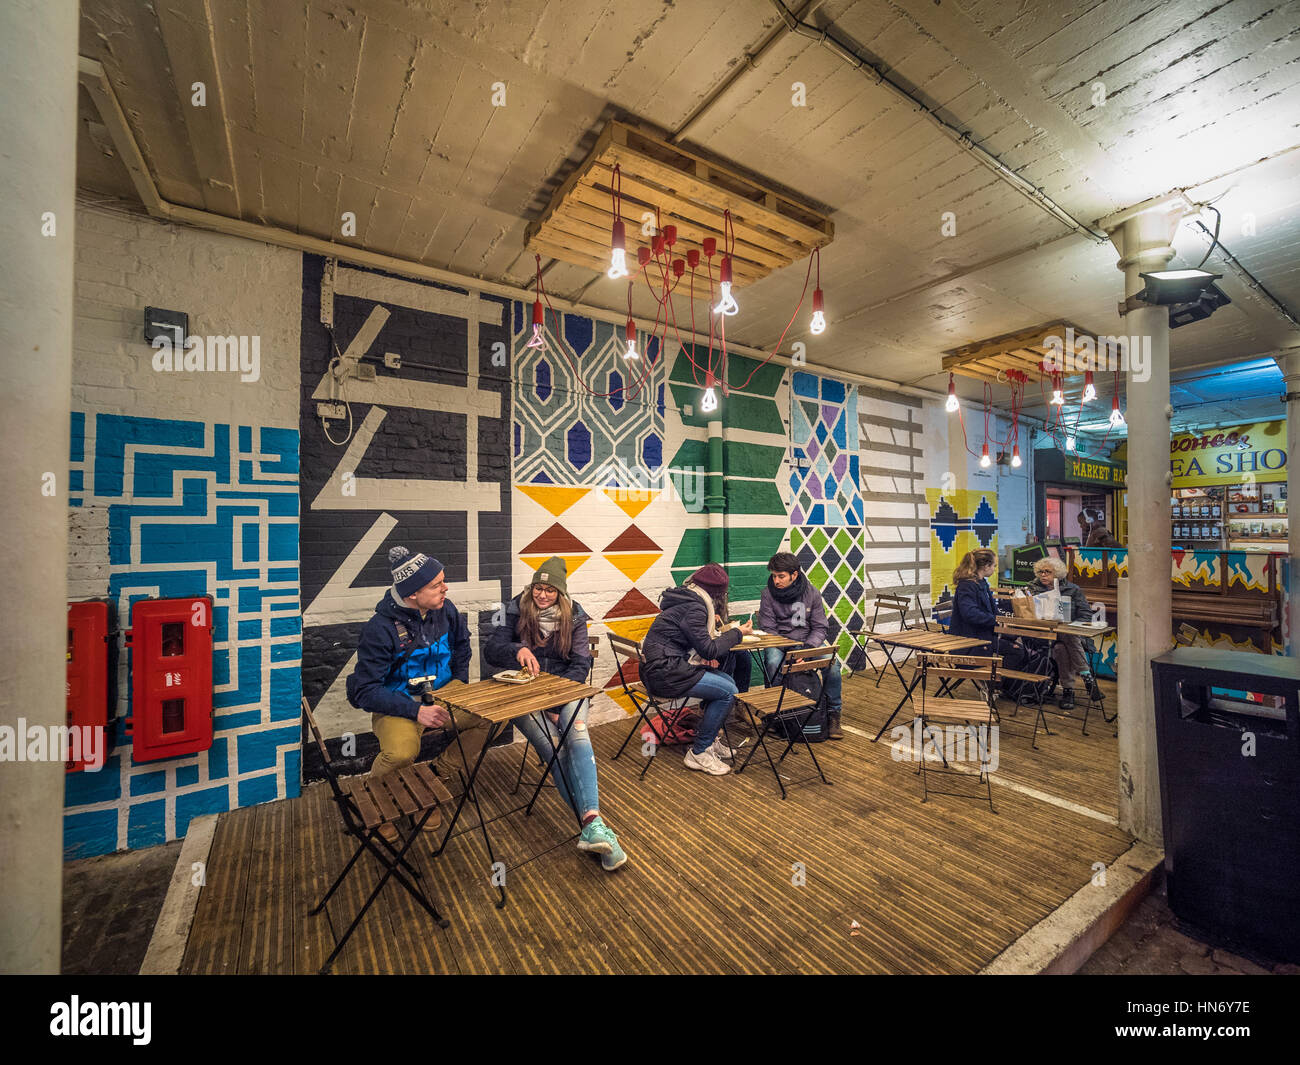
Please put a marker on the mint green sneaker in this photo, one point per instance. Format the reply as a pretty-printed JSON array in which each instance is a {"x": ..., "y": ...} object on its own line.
[{"x": 598, "y": 838}]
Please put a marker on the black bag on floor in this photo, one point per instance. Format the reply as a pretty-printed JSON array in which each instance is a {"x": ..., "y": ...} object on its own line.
[{"x": 816, "y": 724}]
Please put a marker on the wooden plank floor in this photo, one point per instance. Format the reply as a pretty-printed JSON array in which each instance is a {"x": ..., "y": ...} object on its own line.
[{"x": 723, "y": 876}]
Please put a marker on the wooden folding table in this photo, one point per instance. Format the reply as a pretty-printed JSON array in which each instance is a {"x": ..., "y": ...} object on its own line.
[{"x": 500, "y": 704}]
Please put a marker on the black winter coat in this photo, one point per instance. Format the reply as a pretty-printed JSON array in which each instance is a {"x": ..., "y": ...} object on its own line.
[
  {"x": 681, "y": 627},
  {"x": 503, "y": 646},
  {"x": 973, "y": 610}
]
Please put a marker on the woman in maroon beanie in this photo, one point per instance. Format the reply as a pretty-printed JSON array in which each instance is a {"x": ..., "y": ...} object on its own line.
[{"x": 684, "y": 648}]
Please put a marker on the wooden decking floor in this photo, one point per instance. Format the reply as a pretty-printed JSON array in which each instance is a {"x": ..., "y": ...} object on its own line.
[{"x": 723, "y": 876}]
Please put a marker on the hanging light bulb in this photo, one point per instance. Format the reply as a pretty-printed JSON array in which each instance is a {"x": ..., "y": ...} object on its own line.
[
  {"x": 618, "y": 251},
  {"x": 818, "y": 326},
  {"x": 727, "y": 305},
  {"x": 1089, "y": 389},
  {"x": 1015, "y": 456},
  {"x": 1058, "y": 397},
  {"x": 631, "y": 352},
  {"x": 538, "y": 340},
  {"x": 985, "y": 461},
  {"x": 709, "y": 402},
  {"x": 953, "y": 404},
  {"x": 1116, "y": 418},
  {"x": 1070, "y": 443}
]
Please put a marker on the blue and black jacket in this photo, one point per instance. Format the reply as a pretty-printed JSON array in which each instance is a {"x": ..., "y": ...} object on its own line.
[{"x": 396, "y": 645}]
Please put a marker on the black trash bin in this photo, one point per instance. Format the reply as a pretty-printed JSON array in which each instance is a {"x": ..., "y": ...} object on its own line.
[{"x": 1230, "y": 794}]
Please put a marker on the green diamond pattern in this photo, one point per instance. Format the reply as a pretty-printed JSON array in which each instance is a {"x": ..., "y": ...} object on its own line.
[
  {"x": 843, "y": 575},
  {"x": 818, "y": 574},
  {"x": 843, "y": 541},
  {"x": 819, "y": 540}
]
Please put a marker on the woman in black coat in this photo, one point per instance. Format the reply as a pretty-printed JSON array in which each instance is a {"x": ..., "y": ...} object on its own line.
[
  {"x": 973, "y": 610},
  {"x": 683, "y": 650}
]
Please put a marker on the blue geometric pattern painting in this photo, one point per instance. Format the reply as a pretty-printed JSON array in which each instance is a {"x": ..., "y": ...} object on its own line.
[
  {"x": 582, "y": 413},
  {"x": 195, "y": 508},
  {"x": 824, "y": 438}
]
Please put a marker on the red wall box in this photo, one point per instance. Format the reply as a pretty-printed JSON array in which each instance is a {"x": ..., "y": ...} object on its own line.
[
  {"x": 171, "y": 673},
  {"x": 89, "y": 687}
]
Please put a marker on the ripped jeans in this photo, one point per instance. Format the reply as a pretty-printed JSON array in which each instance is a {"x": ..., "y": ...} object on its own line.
[{"x": 577, "y": 761}]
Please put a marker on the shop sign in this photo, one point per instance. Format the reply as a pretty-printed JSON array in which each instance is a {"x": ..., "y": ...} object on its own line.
[
  {"x": 1071, "y": 469},
  {"x": 1245, "y": 454}
]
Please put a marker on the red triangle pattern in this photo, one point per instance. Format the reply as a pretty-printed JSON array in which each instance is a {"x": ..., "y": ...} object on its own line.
[
  {"x": 633, "y": 605},
  {"x": 557, "y": 540},
  {"x": 632, "y": 539}
]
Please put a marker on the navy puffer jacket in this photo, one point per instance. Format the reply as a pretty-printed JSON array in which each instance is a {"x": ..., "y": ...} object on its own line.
[
  {"x": 396, "y": 645},
  {"x": 973, "y": 610}
]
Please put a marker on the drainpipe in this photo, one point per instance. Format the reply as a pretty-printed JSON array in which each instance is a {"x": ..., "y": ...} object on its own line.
[
  {"x": 715, "y": 499},
  {"x": 1143, "y": 236},
  {"x": 1290, "y": 366}
]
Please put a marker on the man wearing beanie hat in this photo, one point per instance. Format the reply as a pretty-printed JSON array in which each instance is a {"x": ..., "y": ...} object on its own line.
[
  {"x": 683, "y": 650},
  {"x": 415, "y": 632}
]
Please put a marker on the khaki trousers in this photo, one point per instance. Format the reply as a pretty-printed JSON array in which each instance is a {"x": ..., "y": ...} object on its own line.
[{"x": 399, "y": 743}]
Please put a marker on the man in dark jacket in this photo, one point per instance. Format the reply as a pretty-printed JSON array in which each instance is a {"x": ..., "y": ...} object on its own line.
[
  {"x": 415, "y": 632},
  {"x": 793, "y": 608},
  {"x": 683, "y": 650}
]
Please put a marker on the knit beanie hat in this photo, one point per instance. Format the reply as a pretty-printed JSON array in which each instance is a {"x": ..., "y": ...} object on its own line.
[
  {"x": 411, "y": 572},
  {"x": 555, "y": 572},
  {"x": 712, "y": 578}
]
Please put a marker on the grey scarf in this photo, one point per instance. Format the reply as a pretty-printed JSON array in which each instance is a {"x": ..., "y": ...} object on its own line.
[{"x": 548, "y": 620}]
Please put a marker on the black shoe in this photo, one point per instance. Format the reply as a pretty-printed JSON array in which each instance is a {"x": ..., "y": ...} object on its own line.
[
  {"x": 1094, "y": 692},
  {"x": 1066, "y": 701}
]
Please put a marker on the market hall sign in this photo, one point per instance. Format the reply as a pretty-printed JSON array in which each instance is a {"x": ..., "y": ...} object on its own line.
[
  {"x": 1229, "y": 456},
  {"x": 1070, "y": 469}
]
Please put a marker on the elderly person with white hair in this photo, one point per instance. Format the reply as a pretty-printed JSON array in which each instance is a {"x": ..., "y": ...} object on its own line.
[{"x": 1067, "y": 652}]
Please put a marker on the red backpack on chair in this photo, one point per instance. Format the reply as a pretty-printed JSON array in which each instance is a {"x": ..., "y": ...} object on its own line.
[{"x": 672, "y": 727}]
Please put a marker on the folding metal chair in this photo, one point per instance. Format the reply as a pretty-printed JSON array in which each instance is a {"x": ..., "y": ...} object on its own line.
[
  {"x": 977, "y": 716},
  {"x": 367, "y": 805},
  {"x": 528, "y": 747},
  {"x": 628, "y": 661},
  {"x": 782, "y": 705},
  {"x": 1031, "y": 685},
  {"x": 888, "y": 602},
  {"x": 940, "y": 613}
]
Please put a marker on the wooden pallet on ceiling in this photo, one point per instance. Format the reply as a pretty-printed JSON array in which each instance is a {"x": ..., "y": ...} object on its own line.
[
  {"x": 686, "y": 190},
  {"x": 1025, "y": 350}
]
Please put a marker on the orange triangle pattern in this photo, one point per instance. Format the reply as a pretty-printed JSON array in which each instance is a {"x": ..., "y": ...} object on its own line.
[
  {"x": 572, "y": 562},
  {"x": 629, "y": 628},
  {"x": 631, "y": 501},
  {"x": 555, "y": 498},
  {"x": 633, "y": 566}
]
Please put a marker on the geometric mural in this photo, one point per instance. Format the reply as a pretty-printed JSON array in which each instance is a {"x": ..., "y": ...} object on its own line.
[
  {"x": 196, "y": 508},
  {"x": 580, "y": 407},
  {"x": 824, "y": 441},
  {"x": 833, "y": 561},
  {"x": 961, "y": 520}
]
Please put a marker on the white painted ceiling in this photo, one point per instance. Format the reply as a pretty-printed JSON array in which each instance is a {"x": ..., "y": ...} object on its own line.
[{"x": 384, "y": 108}]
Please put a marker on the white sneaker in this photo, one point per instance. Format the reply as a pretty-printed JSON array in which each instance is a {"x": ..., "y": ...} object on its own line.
[
  {"x": 721, "y": 750},
  {"x": 708, "y": 762}
]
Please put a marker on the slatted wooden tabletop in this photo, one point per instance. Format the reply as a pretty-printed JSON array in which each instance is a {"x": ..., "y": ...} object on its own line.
[
  {"x": 922, "y": 640},
  {"x": 723, "y": 876},
  {"x": 498, "y": 701}
]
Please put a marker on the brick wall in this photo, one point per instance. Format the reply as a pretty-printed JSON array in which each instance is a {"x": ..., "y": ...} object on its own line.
[{"x": 182, "y": 484}]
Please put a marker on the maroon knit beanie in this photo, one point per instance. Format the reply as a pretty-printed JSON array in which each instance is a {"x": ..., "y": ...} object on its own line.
[{"x": 711, "y": 577}]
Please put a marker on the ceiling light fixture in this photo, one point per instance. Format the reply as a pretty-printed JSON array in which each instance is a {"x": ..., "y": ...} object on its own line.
[
  {"x": 954, "y": 404},
  {"x": 1070, "y": 443},
  {"x": 1089, "y": 389},
  {"x": 985, "y": 461},
  {"x": 818, "y": 325},
  {"x": 1015, "y": 455},
  {"x": 1116, "y": 417},
  {"x": 618, "y": 234},
  {"x": 709, "y": 401}
]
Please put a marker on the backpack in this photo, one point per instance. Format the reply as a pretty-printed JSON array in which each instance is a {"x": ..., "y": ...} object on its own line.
[
  {"x": 672, "y": 726},
  {"x": 816, "y": 725}
]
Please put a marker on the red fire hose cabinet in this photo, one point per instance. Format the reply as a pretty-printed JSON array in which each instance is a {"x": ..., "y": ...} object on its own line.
[{"x": 171, "y": 674}]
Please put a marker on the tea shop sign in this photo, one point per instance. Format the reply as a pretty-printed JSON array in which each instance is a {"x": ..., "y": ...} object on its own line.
[{"x": 1241, "y": 455}]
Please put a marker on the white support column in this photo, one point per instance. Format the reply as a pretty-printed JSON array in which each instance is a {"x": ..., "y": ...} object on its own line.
[
  {"x": 1290, "y": 365},
  {"x": 38, "y": 99},
  {"x": 1142, "y": 238}
]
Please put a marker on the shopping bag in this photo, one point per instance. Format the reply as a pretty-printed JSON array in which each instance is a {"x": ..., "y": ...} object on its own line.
[{"x": 1022, "y": 606}]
